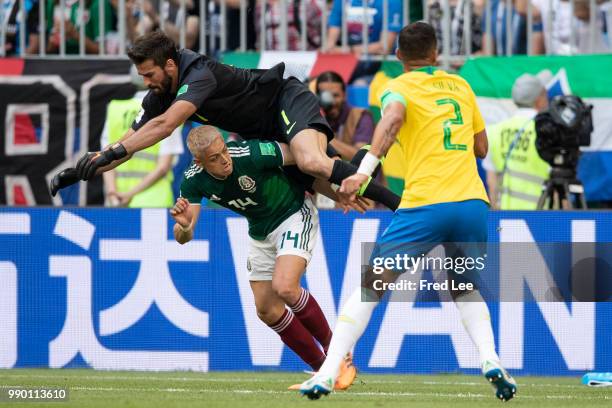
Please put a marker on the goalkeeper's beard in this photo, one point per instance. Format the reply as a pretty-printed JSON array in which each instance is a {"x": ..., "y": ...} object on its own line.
[{"x": 164, "y": 87}]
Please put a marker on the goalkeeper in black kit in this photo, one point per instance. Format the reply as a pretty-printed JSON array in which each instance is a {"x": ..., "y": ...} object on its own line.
[{"x": 254, "y": 103}]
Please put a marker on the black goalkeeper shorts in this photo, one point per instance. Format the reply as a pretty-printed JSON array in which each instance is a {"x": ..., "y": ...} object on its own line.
[{"x": 299, "y": 109}]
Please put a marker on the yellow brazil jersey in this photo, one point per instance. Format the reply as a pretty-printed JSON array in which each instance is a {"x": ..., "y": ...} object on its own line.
[{"x": 437, "y": 138}]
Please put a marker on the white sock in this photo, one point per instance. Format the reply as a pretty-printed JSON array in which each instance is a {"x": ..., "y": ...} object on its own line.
[
  {"x": 351, "y": 324},
  {"x": 477, "y": 322}
]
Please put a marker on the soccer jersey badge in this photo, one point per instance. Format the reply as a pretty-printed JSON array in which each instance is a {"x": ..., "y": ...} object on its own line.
[{"x": 247, "y": 184}]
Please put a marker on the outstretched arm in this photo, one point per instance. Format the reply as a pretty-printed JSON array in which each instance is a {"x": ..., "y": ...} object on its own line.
[
  {"x": 159, "y": 127},
  {"x": 70, "y": 175},
  {"x": 116, "y": 163},
  {"x": 150, "y": 133}
]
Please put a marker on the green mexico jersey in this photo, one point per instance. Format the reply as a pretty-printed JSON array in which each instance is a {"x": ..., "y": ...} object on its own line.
[{"x": 257, "y": 188}]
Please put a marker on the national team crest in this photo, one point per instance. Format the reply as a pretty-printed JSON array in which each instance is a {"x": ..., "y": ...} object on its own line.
[{"x": 247, "y": 184}]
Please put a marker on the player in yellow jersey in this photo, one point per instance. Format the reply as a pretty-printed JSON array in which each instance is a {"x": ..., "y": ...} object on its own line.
[{"x": 434, "y": 117}]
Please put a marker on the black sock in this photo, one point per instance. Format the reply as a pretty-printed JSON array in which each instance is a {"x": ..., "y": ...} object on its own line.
[
  {"x": 382, "y": 194},
  {"x": 374, "y": 190},
  {"x": 358, "y": 157},
  {"x": 331, "y": 152}
]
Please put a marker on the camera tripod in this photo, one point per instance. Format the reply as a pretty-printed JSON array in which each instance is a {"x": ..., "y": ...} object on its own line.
[{"x": 562, "y": 191}]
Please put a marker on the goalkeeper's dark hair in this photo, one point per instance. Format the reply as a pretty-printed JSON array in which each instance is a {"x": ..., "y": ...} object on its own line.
[
  {"x": 417, "y": 41},
  {"x": 155, "y": 45}
]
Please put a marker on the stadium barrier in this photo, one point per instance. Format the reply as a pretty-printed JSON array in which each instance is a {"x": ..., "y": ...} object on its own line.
[
  {"x": 505, "y": 34},
  {"x": 110, "y": 289}
]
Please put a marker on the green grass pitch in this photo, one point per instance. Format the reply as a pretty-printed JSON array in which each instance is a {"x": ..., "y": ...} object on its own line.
[{"x": 89, "y": 388}]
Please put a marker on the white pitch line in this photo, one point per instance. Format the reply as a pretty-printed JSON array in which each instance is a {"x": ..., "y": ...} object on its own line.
[
  {"x": 243, "y": 391},
  {"x": 519, "y": 384},
  {"x": 408, "y": 381},
  {"x": 143, "y": 378},
  {"x": 349, "y": 393}
]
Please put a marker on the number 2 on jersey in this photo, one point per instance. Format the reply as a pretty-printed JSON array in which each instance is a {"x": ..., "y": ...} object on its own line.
[{"x": 457, "y": 120}]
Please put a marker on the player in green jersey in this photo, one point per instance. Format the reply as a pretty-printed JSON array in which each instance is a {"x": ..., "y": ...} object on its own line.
[{"x": 247, "y": 178}]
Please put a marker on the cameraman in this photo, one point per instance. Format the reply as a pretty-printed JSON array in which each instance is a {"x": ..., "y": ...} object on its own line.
[
  {"x": 515, "y": 171},
  {"x": 353, "y": 127}
]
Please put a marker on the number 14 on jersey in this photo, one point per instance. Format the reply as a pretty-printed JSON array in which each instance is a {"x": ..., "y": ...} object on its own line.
[{"x": 241, "y": 204}]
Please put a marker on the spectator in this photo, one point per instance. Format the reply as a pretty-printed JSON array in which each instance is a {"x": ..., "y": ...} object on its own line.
[
  {"x": 146, "y": 179},
  {"x": 515, "y": 171},
  {"x": 355, "y": 20},
  {"x": 175, "y": 18},
  {"x": 606, "y": 15},
  {"x": 353, "y": 127},
  {"x": 559, "y": 22},
  {"x": 518, "y": 21},
  {"x": 11, "y": 15},
  {"x": 72, "y": 24},
  {"x": 415, "y": 12},
  {"x": 458, "y": 19},
  {"x": 215, "y": 25},
  {"x": 295, "y": 25}
]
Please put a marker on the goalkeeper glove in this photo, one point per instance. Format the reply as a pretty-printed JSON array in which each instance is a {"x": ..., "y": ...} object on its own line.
[
  {"x": 88, "y": 164},
  {"x": 64, "y": 178}
]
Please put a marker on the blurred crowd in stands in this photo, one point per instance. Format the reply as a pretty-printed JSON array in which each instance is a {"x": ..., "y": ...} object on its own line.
[
  {"x": 556, "y": 28},
  {"x": 464, "y": 27}
]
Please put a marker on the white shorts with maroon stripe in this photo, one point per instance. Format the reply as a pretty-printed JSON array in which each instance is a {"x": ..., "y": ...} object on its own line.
[{"x": 297, "y": 235}]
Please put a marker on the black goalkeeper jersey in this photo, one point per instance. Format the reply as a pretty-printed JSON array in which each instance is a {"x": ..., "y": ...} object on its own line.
[{"x": 238, "y": 100}]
